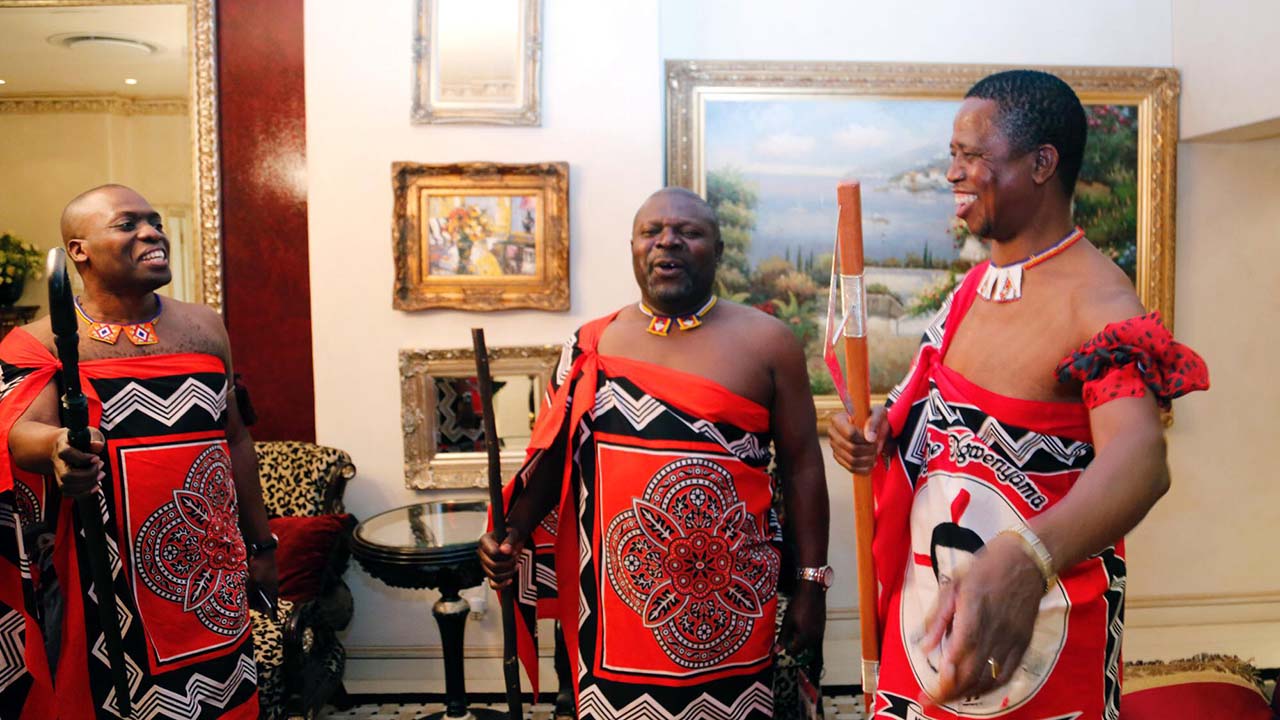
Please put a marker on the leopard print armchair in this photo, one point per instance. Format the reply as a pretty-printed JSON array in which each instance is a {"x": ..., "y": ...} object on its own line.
[{"x": 299, "y": 656}]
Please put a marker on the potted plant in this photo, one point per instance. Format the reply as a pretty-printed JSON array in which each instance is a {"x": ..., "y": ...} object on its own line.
[{"x": 18, "y": 261}]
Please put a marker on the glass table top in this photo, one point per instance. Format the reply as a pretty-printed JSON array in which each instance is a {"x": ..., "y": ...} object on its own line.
[{"x": 427, "y": 526}]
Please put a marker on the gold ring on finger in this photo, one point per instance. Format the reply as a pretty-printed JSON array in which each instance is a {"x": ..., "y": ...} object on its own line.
[{"x": 995, "y": 668}]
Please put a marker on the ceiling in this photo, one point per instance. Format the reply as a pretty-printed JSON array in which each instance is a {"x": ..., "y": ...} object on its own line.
[{"x": 31, "y": 64}]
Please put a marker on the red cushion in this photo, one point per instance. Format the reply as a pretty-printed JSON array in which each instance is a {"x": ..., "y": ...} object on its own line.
[
  {"x": 306, "y": 546},
  {"x": 1206, "y": 695}
]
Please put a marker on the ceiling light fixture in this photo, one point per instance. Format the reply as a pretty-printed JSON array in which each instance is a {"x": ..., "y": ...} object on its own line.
[
  {"x": 80, "y": 40},
  {"x": 130, "y": 81}
]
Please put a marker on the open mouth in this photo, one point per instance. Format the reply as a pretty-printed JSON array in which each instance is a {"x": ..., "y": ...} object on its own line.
[
  {"x": 963, "y": 202},
  {"x": 667, "y": 268},
  {"x": 157, "y": 257}
]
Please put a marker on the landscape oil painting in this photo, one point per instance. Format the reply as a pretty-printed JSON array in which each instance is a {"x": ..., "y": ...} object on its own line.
[{"x": 771, "y": 166}]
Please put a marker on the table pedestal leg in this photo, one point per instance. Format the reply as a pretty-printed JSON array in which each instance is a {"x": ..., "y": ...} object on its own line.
[{"x": 451, "y": 613}]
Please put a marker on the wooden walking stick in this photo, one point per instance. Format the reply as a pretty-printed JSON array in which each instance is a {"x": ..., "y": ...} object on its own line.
[
  {"x": 75, "y": 417},
  {"x": 853, "y": 304},
  {"x": 510, "y": 663}
]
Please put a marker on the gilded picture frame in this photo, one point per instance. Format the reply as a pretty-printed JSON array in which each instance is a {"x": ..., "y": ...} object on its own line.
[
  {"x": 475, "y": 66},
  {"x": 481, "y": 236},
  {"x": 427, "y": 466},
  {"x": 709, "y": 101}
]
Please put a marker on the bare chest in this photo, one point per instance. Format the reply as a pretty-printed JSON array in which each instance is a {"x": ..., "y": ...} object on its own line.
[
  {"x": 716, "y": 354},
  {"x": 1013, "y": 349}
]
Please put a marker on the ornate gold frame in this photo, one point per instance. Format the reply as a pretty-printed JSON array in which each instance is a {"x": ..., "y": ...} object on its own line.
[
  {"x": 202, "y": 39},
  {"x": 424, "y": 468},
  {"x": 415, "y": 289},
  {"x": 529, "y": 113},
  {"x": 690, "y": 83}
]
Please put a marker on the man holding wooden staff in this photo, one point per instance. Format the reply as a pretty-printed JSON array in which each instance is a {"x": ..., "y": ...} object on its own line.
[
  {"x": 1023, "y": 444},
  {"x": 654, "y": 451},
  {"x": 177, "y": 478}
]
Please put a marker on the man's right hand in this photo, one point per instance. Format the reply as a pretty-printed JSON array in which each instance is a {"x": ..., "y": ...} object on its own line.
[
  {"x": 499, "y": 560},
  {"x": 78, "y": 473},
  {"x": 856, "y": 450}
]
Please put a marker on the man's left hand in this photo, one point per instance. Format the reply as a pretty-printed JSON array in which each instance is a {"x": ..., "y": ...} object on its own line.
[
  {"x": 805, "y": 621},
  {"x": 263, "y": 577},
  {"x": 987, "y": 616}
]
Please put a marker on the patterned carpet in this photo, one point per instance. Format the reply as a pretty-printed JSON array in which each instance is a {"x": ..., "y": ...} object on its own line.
[{"x": 840, "y": 707}]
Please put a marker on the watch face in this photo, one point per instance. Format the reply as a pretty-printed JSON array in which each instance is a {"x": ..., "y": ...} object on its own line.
[{"x": 825, "y": 576}]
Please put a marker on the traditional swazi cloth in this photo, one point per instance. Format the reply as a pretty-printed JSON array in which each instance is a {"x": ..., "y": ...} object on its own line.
[
  {"x": 970, "y": 463},
  {"x": 663, "y": 542},
  {"x": 171, "y": 522}
]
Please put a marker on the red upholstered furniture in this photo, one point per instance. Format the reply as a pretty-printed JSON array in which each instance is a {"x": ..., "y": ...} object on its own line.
[{"x": 1205, "y": 687}]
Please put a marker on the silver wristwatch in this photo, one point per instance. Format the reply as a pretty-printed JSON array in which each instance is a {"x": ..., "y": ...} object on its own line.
[{"x": 824, "y": 575}]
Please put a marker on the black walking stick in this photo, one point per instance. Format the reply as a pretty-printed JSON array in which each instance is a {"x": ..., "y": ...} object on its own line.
[
  {"x": 510, "y": 666},
  {"x": 75, "y": 416}
]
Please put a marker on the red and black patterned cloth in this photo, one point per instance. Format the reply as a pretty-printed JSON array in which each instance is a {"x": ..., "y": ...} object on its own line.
[
  {"x": 1134, "y": 357},
  {"x": 668, "y": 604},
  {"x": 171, "y": 519},
  {"x": 969, "y": 463}
]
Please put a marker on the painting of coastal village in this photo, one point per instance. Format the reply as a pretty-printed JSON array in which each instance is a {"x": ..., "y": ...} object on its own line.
[{"x": 772, "y": 166}]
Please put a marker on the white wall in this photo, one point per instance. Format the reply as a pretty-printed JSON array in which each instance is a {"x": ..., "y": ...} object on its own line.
[
  {"x": 602, "y": 102},
  {"x": 602, "y": 113},
  {"x": 1226, "y": 54}
]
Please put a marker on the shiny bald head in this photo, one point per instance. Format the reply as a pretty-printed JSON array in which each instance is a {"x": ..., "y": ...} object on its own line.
[
  {"x": 84, "y": 206},
  {"x": 116, "y": 240}
]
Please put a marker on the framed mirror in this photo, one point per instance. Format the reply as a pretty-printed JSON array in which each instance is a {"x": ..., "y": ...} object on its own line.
[
  {"x": 442, "y": 420},
  {"x": 113, "y": 91},
  {"x": 477, "y": 61}
]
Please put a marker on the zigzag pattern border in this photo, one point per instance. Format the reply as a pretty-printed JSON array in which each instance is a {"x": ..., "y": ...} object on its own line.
[
  {"x": 158, "y": 702},
  {"x": 135, "y": 398},
  {"x": 12, "y": 663},
  {"x": 593, "y": 705},
  {"x": 645, "y": 409}
]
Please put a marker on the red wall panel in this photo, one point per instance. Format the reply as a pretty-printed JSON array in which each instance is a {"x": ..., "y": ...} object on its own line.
[{"x": 264, "y": 211}]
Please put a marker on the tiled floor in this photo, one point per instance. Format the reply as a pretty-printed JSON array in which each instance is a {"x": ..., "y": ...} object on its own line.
[{"x": 840, "y": 707}]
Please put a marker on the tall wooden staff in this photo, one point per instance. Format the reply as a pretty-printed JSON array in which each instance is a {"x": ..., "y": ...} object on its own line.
[
  {"x": 75, "y": 416},
  {"x": 510, "y": 664},
  {"x": 853, "y": 305}
]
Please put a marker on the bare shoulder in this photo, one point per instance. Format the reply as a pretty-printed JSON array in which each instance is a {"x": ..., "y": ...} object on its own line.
[
  {"x": 41, "y": 329},
  {"x": 763, "y": 331},
  {"x": 201, "y": 316},
  {"x": 1102, "y": 295},
  {"x": 201, "y": 328}
]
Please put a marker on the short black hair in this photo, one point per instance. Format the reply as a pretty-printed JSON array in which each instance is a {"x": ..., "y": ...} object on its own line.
[
  {"x": 951, "y": 535},
  {"x": 1036, "y": 108}
]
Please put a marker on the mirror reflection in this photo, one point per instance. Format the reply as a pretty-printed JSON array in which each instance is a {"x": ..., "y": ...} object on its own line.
[
  {"x": 478, "y": 52},
  {"x": 96, "y": 94},
  {"x": 459, "y": 420}
]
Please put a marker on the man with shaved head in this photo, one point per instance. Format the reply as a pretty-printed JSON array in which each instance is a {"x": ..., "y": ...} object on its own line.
[
  {"x": 645, "y": 500},
  {"x": 176, "y": 476}
]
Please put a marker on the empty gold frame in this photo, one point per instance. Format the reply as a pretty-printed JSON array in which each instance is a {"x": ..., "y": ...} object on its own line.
[
  {"x": 477, "y": 61},
  {"x": 444, "y": 449}
]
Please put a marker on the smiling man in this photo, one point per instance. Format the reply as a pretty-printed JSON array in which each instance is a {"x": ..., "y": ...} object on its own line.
[
  {"x": 176, "y": 473},
  {"x": 1030, "y": 421},
  {"x": 654, "y": 451}
]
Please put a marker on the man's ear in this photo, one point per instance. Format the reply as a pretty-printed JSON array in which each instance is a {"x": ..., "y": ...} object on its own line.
[
  {"x": 1045, "y": 164},
  {"x": 76, "y": 250}
]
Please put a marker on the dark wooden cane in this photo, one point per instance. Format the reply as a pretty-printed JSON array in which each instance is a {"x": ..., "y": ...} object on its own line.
[
  {"x": 75, "y": 417},
  {"x": 510, "y": 663}
]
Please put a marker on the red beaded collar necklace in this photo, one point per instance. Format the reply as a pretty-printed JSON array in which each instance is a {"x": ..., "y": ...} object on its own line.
[
  {"x": 661, "y": 324},
  {"x": 139, "y": 333}
]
